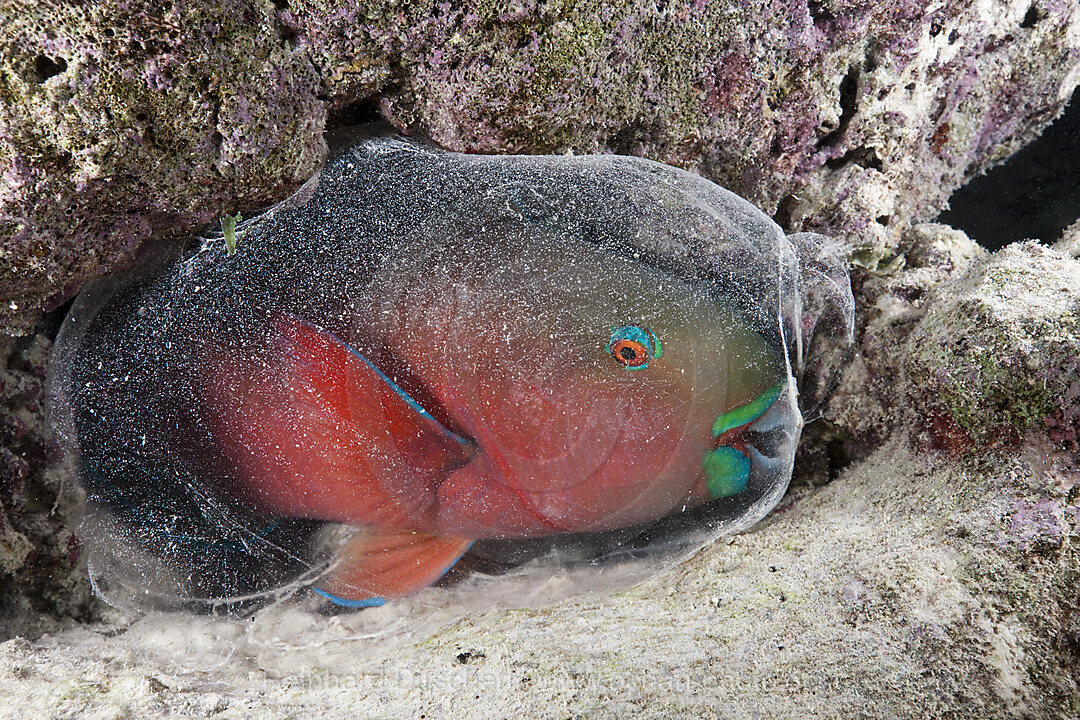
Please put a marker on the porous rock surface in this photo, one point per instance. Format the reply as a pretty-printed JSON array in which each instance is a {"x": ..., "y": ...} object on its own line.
[
  {"x": 122, "y": 120},
  {"x": 925, "y": 563},
  {"x": 40, "y": 570},
  {"x": 934, "y": 577}
]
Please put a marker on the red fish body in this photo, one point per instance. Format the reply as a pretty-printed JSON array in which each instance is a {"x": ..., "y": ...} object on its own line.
[
  {"x": 431, "y": 349},
  {"x": 540, "y": 428}
]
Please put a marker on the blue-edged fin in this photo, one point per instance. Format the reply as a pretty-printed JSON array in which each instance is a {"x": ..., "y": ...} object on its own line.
[
  {"x": 319, "y": 432},
  {"x": 380, "y": 564}
]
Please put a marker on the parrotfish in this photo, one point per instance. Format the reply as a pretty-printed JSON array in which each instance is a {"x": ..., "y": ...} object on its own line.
[{"x": 432, "y": 349}]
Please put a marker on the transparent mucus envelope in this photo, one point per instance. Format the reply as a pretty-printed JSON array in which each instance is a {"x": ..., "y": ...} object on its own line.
[{"x": 444, "y": 380}]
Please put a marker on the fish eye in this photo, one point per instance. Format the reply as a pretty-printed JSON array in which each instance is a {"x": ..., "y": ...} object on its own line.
[{"x": 633, "y": 346}]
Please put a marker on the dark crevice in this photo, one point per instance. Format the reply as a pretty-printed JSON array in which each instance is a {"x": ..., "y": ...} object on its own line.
[
  {"x": 216, "y": 141},
  {"x": 871, "y": 57},
  {"x": 52, "y": 320},
  {"x": 285, "y": 32},
  {"x": 784, "y": 211},
  {"x": 627, "y": 141},
  {"x": 360, "y": 112},
  {"x": 46, "y": 67},
  {"x": 1035, "y": 194},
  {"x": 864, "y": 157},
  {"x": 819, "y": 13},
  {"x": 1032, "y": 16},
  {"x": 849, "y": 99},
  {"x": 840, "y": 456},
  {"x": 776, "y": 147}
]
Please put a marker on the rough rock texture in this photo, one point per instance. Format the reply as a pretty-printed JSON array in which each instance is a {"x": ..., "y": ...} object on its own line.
[
  {"x": 1000, "y": 354},
  {"x": 926, "y": 562},
  {"x": 912, "y": 586},
  {"x": 125, "y": 119},
  {"x": 991, "y": 355},
  {"x": 39, "y": 554}
]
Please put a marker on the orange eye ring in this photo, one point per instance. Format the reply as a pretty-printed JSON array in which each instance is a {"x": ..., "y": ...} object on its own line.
[
  {"x": 630, "y": 353},
  {"x": 633, "y": 346}
]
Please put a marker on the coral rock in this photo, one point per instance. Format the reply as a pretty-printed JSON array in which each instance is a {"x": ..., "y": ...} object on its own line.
[
  {"x": 845, "y": 117},
  {"x": 999, "y": 353}
]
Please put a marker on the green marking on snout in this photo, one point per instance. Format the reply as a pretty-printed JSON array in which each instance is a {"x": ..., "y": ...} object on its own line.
[{"x": 747, "y": 413}]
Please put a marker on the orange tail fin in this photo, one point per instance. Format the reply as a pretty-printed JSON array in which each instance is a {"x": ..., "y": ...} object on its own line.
[{"x": 385, "y": 563}]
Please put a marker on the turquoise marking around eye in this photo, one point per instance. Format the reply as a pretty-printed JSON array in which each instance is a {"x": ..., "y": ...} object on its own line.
[
  {"x": 634, "y": 346},
  {"x": 658, "y": 349},
  {"x": 727, "y": 471},
  {"x": 747, "y": 413}
]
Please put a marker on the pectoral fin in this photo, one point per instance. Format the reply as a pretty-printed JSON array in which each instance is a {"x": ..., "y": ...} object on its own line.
[
  {"x": 316, "y": 430},
  {"x": 385, "y": 563}
]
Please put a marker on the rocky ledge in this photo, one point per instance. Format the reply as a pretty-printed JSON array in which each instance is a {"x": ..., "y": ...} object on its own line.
[{"x": 925, "y": 563}]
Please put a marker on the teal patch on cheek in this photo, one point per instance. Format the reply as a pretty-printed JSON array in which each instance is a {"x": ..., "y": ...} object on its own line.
[{"x": 727, "y": 471}]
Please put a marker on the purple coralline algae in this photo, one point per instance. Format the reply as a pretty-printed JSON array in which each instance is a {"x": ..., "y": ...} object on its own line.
[
  {"x": 924, "y": 564},
  {"x": 125, "y": 121}
]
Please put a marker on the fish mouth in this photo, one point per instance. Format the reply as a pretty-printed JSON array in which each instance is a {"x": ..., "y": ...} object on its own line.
[{"x": 747, "y": 440}]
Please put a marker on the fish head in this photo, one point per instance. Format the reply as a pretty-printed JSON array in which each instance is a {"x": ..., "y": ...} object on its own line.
[{"x": 590, "y": 381}]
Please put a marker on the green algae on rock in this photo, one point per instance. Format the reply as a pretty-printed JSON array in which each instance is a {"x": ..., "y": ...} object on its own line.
[
  {"x": 999, "y": 353},
  {"x": 149, "y": 119}
]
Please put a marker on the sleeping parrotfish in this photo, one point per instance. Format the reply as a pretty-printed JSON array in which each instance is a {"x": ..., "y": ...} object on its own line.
[
  {"x": 564, "y": 389},
  {"x": 434, "y": 349}
]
